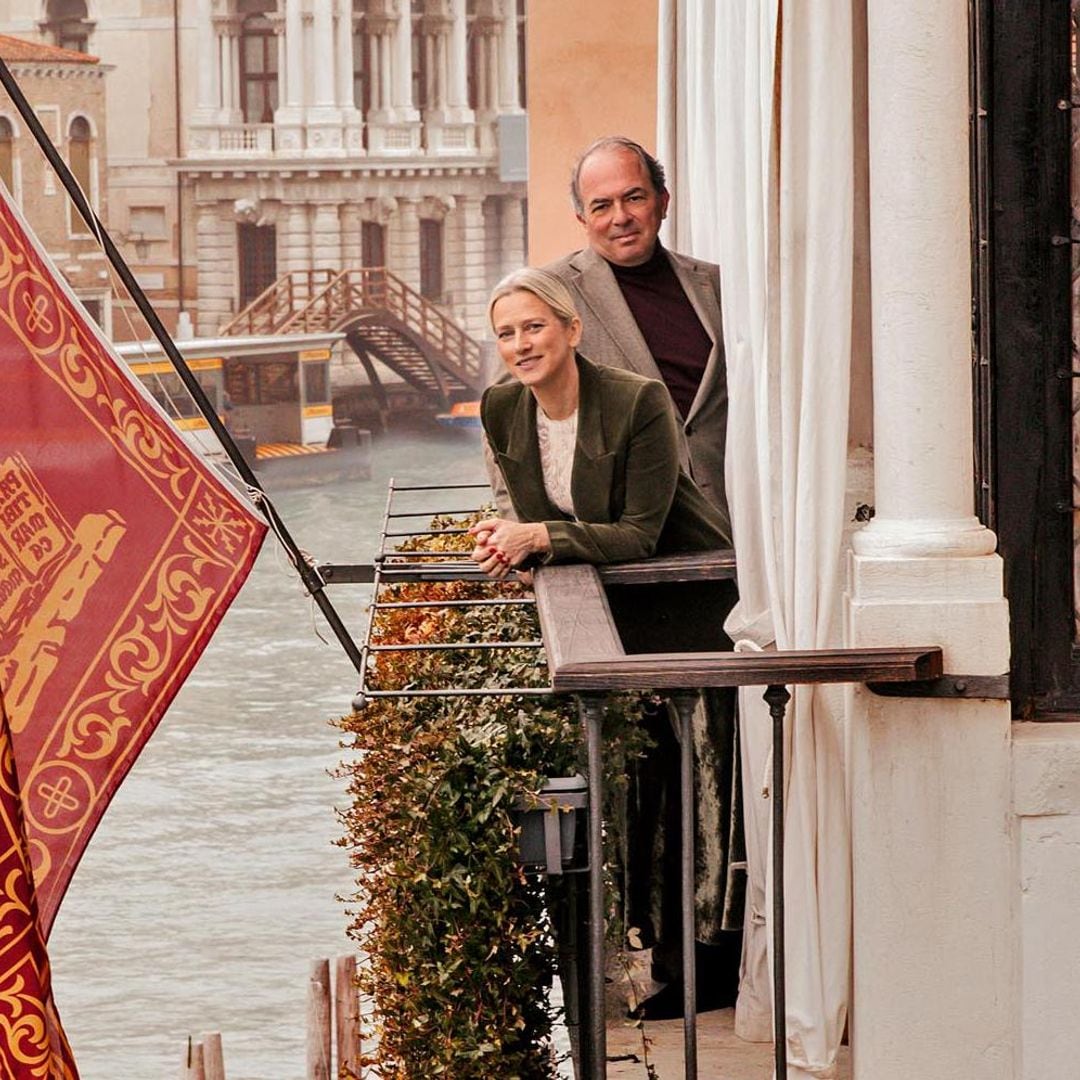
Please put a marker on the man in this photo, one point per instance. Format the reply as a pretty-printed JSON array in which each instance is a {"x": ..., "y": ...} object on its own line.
[
  {"x": 657, "y": 312},
  {"x": 645, "y": 308}
]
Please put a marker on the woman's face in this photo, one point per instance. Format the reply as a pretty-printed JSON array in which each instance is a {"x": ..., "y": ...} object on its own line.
[{"x": 536, "y": 346}]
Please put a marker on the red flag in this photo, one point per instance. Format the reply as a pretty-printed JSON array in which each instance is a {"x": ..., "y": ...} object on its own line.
[
  {"x": 120, "y": 551},
  {"x": 32, "y": 1042}
]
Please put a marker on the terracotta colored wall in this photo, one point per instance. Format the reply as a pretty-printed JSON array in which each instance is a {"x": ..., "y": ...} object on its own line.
[{"x": 591, "y": 72}]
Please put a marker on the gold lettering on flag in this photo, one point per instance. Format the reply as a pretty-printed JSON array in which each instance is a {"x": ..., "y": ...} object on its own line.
[{"x": 46, "y": 573}]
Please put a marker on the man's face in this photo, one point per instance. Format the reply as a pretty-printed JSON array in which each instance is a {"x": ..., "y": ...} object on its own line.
[{"x": 621, "y": 211}]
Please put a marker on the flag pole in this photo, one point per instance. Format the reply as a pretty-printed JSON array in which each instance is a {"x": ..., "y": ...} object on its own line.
[{"x": 309, "y": 575}]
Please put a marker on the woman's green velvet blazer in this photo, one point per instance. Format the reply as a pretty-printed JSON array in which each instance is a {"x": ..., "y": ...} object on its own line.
[{"x": 631, "y": 499}]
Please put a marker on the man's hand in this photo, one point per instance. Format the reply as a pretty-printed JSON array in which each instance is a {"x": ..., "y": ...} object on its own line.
[{"x": 502, "y": 545}]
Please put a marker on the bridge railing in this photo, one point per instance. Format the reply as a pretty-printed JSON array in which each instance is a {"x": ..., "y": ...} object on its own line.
[
  {"x": 316, "y": 300},
  {"x": 376, "y": 287},
  {"x": 276, "y": 305}
]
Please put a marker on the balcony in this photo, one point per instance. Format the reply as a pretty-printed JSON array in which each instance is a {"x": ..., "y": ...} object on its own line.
[{"x": 231, "y": 140}]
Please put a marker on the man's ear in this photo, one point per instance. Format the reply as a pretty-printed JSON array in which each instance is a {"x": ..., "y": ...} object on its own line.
[
  {"x": 664, "y": 200},
  {"x": 581, "y": 219}
]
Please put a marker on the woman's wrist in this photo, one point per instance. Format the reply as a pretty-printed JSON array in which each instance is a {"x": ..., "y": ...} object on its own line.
[{"x": 541, "y": 543}]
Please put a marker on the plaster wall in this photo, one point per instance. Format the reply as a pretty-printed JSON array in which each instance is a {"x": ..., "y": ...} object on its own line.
[
  {"x": 591, "y": 72},
  {"x": 1046, "y": 799}
]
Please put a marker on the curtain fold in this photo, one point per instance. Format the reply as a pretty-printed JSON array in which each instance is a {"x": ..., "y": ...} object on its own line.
[{"x": 756, "y": 123}]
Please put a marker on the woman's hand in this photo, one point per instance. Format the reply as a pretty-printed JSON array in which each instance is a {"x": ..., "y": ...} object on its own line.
[{"x": 502, "y": 545}]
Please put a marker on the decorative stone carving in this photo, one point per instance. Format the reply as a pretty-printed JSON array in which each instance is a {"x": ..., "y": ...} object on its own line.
[{"x": 246, "y": 211}]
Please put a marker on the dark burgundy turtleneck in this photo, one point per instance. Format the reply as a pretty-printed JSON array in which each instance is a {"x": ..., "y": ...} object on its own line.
[{"x": 668, "y": 323}]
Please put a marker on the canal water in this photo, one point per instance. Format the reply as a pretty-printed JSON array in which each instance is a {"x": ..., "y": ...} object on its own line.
[{"x": 213, "y": 879}]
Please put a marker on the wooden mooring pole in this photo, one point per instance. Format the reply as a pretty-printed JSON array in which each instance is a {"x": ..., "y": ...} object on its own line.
[
  {"x": 340, "y": 1010},
  {"x": 347, "y": 1017},
  {"x": 318, "y": 1021},
  {"x": 194, "y": 1062},
  {"x": 213, "y": 1056}
]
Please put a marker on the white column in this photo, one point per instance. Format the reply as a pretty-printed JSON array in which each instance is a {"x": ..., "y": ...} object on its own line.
[
  {"x": 234, "y": 63},
  {"x": 509, "y": 100},
  {"x": 404, "y": 111},
  {"x": 324, "y": 133},
  {"x": 294, "y": 53},
  {"x": 278, "y": 23},
  {"x": 323, "y": 55},
  {"x": 491, "y": 68},
  {"x": 934, "y": 878},
  {"x": 457, "y": 92},
  {"x": 921, "y": 291},
  {"x": 351, "y": 117},
  {"x": 207, "y": 68},
  {"x": 386, "y": 71},
  {"x": 343, "y": 51},
  {"x": 227, "y": 96}
]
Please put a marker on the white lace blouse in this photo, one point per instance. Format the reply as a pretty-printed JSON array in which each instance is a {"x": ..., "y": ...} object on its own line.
[{"x": 557, "y": 439}]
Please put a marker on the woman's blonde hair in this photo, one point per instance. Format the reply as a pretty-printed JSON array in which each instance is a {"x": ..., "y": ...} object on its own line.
[{"x": 543, "y": 285}]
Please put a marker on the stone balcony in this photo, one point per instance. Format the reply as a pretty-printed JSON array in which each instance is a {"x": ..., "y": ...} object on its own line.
[{"x": 378, "y": 138}]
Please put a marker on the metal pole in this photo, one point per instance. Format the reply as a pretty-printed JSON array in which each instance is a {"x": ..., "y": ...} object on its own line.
[
  {"x": 311, "y": 578},
  {"x": 684, "y": 705},
  {"x": 777, "y": 698},
  {"x": 592, "y": 716}
]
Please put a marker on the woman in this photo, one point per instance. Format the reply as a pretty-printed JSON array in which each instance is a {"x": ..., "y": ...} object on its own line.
[
  {"x": 588, "y": 454},
  {"x": 589, "y": 457}
]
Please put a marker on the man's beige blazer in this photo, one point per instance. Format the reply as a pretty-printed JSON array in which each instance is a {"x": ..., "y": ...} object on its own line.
[{"x": 611, "y": 336}]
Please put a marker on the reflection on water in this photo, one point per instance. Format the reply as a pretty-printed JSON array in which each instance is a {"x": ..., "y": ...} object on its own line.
[{"x": 212, "y": 881}]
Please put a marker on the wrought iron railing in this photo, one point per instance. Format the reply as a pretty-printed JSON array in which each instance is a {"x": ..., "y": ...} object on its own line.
[{"x": 586, "y": 657}]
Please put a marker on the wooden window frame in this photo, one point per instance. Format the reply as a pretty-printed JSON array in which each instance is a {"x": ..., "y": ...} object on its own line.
[{"x": 266, "y": 77}]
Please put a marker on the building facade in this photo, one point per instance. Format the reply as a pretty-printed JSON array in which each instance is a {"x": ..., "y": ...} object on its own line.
[
  {"x": 67, "y": 91},
  {"x": 250, "y": 138}
]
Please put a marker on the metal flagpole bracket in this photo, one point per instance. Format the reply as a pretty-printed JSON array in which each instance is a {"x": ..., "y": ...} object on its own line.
[{"x": 992, "y": 687}]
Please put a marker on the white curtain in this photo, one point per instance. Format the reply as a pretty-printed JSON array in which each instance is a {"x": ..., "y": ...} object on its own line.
[{"x": 756, "y": 125}]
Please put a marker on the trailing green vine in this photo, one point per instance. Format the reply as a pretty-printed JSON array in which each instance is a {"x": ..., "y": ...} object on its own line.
[{"x": 456, "y": 944}]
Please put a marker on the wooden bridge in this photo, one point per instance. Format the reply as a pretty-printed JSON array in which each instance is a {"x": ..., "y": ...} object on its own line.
[{"x": 383, "y": 319}]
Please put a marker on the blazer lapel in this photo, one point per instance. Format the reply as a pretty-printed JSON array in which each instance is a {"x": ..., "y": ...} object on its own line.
[
  {"x": 591, "y": 482},
  {"x": 601, "y": 293},
  {"x": 521, "y": 468},
  {"x": 699, "y": 290}
]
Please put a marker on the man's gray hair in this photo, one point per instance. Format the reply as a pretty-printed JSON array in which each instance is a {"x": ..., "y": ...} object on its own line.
[{"x": 616, "y": 142}]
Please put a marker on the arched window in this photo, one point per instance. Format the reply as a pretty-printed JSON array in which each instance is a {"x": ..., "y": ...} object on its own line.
[
  {"x": 67, "y": 24},
  {"x": 7, "y": 154},
  {"x": 258, "y": 70},
  {"x": 79, "y": 158}
]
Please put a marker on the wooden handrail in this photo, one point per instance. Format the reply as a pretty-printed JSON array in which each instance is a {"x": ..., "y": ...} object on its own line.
[{"x": 585, "y": 653}]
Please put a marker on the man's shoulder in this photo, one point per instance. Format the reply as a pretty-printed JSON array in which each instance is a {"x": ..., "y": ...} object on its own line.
[
  {"x": 692, "y": 263},
  {"x": 569, "y": 266}
]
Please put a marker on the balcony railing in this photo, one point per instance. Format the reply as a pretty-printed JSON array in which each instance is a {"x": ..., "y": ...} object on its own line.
[
  {"x": 586, "y": 657},
  {"x": 232, "y": 140}
]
